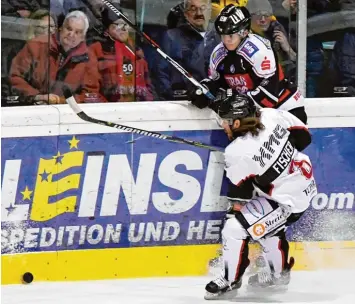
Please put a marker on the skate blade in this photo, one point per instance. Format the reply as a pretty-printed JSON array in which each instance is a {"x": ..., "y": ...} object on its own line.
[
  {"x": 276, "y": 289},
  {"x": 228, "y": 295}
]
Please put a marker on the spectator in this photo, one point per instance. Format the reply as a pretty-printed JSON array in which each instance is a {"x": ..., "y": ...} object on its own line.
[
  {"x": 39, "y": 22},
  {"x": 265, "y": 24},
  {"x": 119, "y": 69},
  {"x": 315, "y": 55},
  {"x": 47, "y": 62},
  {"x": 19, "y": 8},
  {"x": 144, "y": 88},
  {"x": 93, "y": 10},
  {"x": 190, "y": 43},
  {"x": 342, "y": 64},
  {"x": 42, "y": 22}
]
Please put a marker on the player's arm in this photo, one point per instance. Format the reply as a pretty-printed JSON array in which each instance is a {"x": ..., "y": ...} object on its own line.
[
  {"x": 214, "y": 82},
  {"x": 299, "y": 133},
  {"x": 240, "y": 171},
  {"x": 264, "y": 73}
]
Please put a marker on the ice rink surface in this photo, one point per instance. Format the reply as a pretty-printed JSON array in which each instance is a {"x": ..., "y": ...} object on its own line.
[{"x": 306, "y": 287}]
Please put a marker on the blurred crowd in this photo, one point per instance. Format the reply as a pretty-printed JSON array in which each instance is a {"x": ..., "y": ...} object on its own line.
[{"x": 84, "y": 44}]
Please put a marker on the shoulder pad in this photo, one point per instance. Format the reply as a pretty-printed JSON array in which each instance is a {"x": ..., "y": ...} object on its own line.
[
  {"x": 218, "y": 54},
  {"x": 256, "y": 52},
  {"x": 264, "y": 40}
]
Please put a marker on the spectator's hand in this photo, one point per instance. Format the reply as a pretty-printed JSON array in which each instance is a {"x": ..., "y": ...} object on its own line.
[
  {"x": 53, "y": 99},
  {"x": 47, "y": 99},
  {"x": 41, "y": 99},
  {"x": 293, "y": 6},
  {"x": 24, "y": 13},
  {"x": 282, "y": 40}
]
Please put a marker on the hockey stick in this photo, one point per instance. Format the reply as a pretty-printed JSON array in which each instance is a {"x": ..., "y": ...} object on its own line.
[
  {"x": 157, "y": 48},
  {"x": 78, "y": 111}
]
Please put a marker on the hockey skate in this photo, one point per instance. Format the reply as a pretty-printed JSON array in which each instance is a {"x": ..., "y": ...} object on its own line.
[
  {"x": 265, "y": 281},
  {"x": 220, "y": 289}
]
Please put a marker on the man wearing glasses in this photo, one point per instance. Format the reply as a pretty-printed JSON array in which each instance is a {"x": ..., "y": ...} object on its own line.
[
  {"x": 124, "y": 77},
  {"x": 265, "y": 24},
  {"x": 189, "y": 43}
]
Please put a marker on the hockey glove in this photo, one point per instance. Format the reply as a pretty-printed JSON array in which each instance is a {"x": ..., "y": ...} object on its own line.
[{"x": 197, "y": 97}]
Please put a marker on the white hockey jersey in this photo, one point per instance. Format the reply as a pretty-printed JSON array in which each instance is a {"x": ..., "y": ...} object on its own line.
[{"x": 271, "y": 163}]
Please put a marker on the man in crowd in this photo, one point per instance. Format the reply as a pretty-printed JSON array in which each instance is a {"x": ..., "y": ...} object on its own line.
[
  {"x": 123, "y": 76},
  {"x": 342, "y": 63},
  {"x": 190, "y": 43},
  {"x": 265, "y": 24},
  {"x": 46, "y": 63}
]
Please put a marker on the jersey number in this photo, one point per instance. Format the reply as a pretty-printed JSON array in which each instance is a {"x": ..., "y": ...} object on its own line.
[{"x": 303, "y": 166}]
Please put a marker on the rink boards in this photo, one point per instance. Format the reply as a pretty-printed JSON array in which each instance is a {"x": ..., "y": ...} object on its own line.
[{"x": 84, "y": 202}]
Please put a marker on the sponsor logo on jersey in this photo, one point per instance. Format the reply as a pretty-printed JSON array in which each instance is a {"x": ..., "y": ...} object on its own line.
[
  {"x": 268, "y": 147},
  {"x": 297, "y": 95},
  {"x": 255, "y": 208},
  {"x": 311, "y": 188},
  {"x": 266, "y": 64},
  {"x": 249, "y": 49},
  {"x": 218, "y": 55},
  {"x": 242, "y": 83},
  {"x": 267, "y": 224},
  {"x": 232, "y": 68},
  {"x": 259, "y": 229}
]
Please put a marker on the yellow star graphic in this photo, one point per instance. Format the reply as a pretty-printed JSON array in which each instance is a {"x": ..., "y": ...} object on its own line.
[
  {"x": 73, "y": 143},
  {"x": 26, "y": 194},
  {"x": 58, "y": 155}
]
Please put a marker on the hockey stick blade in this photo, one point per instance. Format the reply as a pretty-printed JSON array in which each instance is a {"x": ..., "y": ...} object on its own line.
[{"x": 82, "y": 115}]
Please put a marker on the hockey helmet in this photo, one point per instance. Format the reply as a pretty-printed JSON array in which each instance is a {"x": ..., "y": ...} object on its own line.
[
  {"x": 233, "y": 19},
  {"x": 238, "y": 106}
]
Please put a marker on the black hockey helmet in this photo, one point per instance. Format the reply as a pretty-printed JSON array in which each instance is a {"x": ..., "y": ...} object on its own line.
[
  {"x": 233, "y": 19},
  {"x": 238, "y": 106}
]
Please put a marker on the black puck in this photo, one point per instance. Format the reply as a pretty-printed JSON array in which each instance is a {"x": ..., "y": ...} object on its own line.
[{"x": 27, "y": 277}]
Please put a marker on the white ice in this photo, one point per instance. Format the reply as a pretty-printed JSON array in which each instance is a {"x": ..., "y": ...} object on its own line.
[{"x": 322, "y": 287}]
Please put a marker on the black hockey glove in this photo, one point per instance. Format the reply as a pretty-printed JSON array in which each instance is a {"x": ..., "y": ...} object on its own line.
[{"x": 197, "y": 97}]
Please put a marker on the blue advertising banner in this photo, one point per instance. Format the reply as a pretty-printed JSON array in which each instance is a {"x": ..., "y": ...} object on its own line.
[{"x": 121, "y": 190}]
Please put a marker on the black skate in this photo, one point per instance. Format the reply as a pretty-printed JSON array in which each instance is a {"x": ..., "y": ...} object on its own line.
[
  {"x": 220, "y": 289},
  {"x": 265, "y": 281}
]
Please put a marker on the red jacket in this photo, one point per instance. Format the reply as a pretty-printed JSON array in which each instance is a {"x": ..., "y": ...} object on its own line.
[
  {"x": 41, "y": 68},
  {"x": 124, "y": 77}
]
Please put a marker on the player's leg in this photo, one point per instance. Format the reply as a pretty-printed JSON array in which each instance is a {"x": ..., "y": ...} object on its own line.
[
  {"x": 235, "y": 258},
  {"x": 276, "y": 256}
]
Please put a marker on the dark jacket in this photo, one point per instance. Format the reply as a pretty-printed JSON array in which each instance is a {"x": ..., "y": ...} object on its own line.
[
  {"x": 192, "y": 51},
  {"x": 342, "y": 63},
  {"x": 30, "y": 5}
]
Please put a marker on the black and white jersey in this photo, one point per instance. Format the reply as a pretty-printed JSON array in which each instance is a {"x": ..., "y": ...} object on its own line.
[
  {"x": 252, "y": 69},
  {"x": 272, "y": 162}
]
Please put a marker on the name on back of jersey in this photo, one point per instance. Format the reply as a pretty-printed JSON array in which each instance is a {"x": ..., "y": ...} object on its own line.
[{"x": 249, "y": 49}]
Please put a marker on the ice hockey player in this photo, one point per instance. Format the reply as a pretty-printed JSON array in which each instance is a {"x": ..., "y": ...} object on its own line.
[
  {"x": 273, "y": 185},
  {"x": 247, "y": 63}
]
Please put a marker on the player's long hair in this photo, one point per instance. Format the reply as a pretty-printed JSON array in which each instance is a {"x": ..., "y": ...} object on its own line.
[{"x": 251, "y": 125}]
